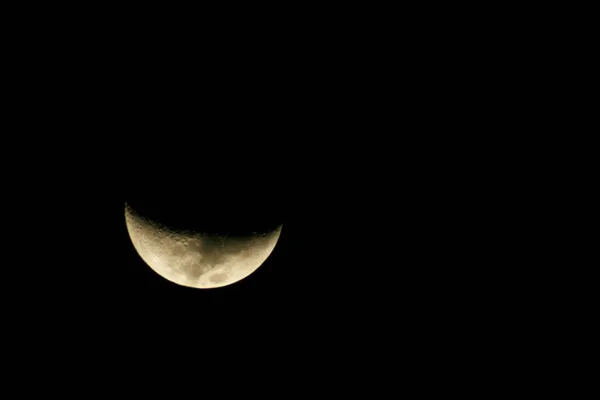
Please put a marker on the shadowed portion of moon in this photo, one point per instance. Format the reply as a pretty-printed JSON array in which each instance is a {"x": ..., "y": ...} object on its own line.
[
  {"x": 200, "y": 258},
  {"x": 237, "y": 200}
]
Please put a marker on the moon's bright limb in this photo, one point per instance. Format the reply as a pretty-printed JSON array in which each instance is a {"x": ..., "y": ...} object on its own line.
[{"x": 198, "y": 260}]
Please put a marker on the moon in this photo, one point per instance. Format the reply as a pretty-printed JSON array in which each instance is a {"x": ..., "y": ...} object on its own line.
[{"x": 196, "y": 259}]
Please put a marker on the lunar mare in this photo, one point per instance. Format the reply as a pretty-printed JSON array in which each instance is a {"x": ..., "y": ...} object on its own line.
[{"x": 198, "y": 260}]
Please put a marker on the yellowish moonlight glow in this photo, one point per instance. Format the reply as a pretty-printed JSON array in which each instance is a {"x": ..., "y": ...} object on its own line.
[{"x": 198, "y": 260}]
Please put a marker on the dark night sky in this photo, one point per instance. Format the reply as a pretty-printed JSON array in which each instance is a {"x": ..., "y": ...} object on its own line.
[
  {"x": 369, "y": 246},
  {"x": 369, "y": 263},
  {"x": 363, "y": 147}
]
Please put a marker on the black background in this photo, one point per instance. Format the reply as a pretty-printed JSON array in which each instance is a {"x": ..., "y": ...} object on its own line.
[
  {"x": 382, "y": 142},
  {"x": 374, "y": 256}
]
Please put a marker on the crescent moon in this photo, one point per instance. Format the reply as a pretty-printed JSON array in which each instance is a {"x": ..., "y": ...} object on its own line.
[{"x": 198, "y": 260}]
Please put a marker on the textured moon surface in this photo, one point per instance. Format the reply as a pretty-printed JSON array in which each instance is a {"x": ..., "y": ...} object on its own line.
[{"x": 198, "y": 260}]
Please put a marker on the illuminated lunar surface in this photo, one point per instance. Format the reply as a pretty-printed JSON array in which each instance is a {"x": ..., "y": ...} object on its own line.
[{"x": 198, "y": 260}]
